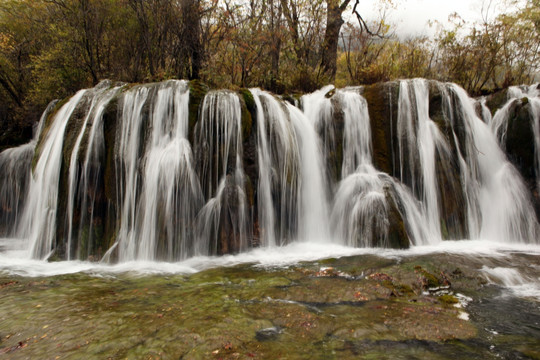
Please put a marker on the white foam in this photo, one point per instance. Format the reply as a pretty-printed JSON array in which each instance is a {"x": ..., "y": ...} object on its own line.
[
  {"x": 513, "y": 279},
  {"x": 16, "y": 262}
]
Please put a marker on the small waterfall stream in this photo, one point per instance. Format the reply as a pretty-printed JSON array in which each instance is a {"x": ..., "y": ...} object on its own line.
[
  {"x": 15, "y": 177},
  {"x": 143, "y": 183},
  {"x": 38, "y": 221}
]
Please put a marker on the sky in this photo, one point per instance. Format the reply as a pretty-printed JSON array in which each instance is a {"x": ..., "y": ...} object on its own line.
[{"x": 411, "y": 17}]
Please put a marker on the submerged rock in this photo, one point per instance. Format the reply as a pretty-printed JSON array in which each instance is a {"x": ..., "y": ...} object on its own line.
[{"x": 268, "y": 333}]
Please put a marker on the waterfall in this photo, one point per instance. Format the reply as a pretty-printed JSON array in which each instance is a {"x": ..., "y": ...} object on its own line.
[
  {"x": 223, "y": 224},
  {"x": 279, "y": 170},
  {"x": 313, "y": 207},
  {"x": 38, "y": 221},
  {"x": 160, "y": 194},
  {"x": 507, "y": 214},
  {"x": 517, "y": 95},
  {"x": 124, "y": 173},
  {"x": 83, "y": 178},
  {"x": 370, "y": 207},
  {"x": 420, "y": 142},
  {"x": 15, "y": 177}
]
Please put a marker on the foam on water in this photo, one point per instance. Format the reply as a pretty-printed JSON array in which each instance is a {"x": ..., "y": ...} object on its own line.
[
  {"x": 513, "y": 279},
  {"x": 16, "y": 262}
]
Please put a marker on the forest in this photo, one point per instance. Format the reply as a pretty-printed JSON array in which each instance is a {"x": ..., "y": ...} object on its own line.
[{"x": 51, "y": 48}]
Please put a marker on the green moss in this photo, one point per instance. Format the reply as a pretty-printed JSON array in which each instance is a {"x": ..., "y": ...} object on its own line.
[
  {"x": 525, "y": 100},
  {"x": 397, "y": 234},
  {"x": 250, "y": 193},
  {"x": 444, "y": 230},
  {"x": 497, "y": 100},
  {"x": 430, "y": 280},
  {"x": 405, "y": 290},
  {"x": 248, "y": 108},
  {"x": 448, "y": 299},
  {"x": 248, "y": 99},
  {"x": 291, "y": 98},
  {"x": 197, "y": 92}
]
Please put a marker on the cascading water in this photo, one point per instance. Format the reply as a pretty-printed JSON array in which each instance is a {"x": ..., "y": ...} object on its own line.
[
  {"x": 505, "y": 208},
  {"x": 160, "y": 193},
  {"x": 528, "y": 96},
  {"x": 83, "y": 176},
  {"x": 420, "y": 142},
  {"x": 38, "y": 221},
  {"x": 15, "y": 177},
  {"x": 313, "y": 208},
  {"x": 369, "y": 206},
  {"x": 136, "y": 180},
  {"x": 223, "y": 224},
  {"x": 279, "y": 170}
]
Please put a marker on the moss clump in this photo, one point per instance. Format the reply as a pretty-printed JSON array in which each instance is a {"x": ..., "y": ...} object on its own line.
[
  {"x": 248, "y": 99},
  {"x": 497, "y": 100},
  {"x": 329, "y": 94},
  {"x": 197, "y": 92},
  {"x": 448, "y": 299},
  {"x": 248, "y": 108},
  {"x": 428, "y": 279},
  {"x": 397, "y": 234},
  {"x": 525, "y": 100},
  {"x": 291, "y": 98}
]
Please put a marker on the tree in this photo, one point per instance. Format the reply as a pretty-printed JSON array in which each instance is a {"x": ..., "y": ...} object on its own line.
[{"x": 334, "y": 21}]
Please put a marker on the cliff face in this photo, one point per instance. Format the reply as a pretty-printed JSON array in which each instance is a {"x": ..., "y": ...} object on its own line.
[{"x": 171, "y": 170}]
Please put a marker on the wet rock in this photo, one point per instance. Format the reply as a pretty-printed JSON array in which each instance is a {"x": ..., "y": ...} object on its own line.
[
  {"x": 497, "y": 100},
  {"x": 520, "y": 148},
  {"x": 382, "y": 102},
  {"x": 267, "y": 334},
  {"x": 519, "y": 141}
]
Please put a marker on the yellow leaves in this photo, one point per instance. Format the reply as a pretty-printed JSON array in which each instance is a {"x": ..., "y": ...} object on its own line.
[{"x": 6, "y": 42}]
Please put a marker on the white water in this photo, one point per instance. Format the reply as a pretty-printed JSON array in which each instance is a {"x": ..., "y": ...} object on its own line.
[
  {"x": 515, "y": 280},
  {"x": 162, "y": 199},
  {"x": 361, "y": 214},
  {"x": 499, "y": 124},
  {"x": 15, "y": 177},
  {"x": 219, "y": 145},
  {"x": 38, "y": 222},
  {"x": 176, "y": 205},
  {"x": 521, "y": 280},
  {"x": 279, "y": 161},
  {"x": 420, "y": 139},
  {"x": 313, "y": 207},
  {"x": 506, "y": 210},
  {"x": 79, "y": 177}
]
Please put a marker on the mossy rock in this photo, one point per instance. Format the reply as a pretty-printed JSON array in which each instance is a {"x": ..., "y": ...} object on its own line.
[
  {"x": 248, "y": 107},
  {"x": 197, "y": 92},
  {"x": 429, "y": 280},
  {"x": 46, "y": 127},
  {"x": 397, "y": 233},
  {"x": 292, "y": 99},
  {"x": 448, "y": 299},
  {"x": 497, "y": 100},
  {"x": 248, "y": 99},
  {"x": 330, "y": 93},
  {"x": 519, "y": 142},
  {"x": 382, "y": 99}
]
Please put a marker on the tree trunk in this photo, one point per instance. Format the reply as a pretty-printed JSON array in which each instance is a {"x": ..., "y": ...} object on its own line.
[
  {"x": 191, "y": 15},
  {"x": 329, "y": 49}
]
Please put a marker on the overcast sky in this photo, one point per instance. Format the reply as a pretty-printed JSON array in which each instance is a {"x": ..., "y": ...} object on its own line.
[{"x": 411, "y": 16}]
